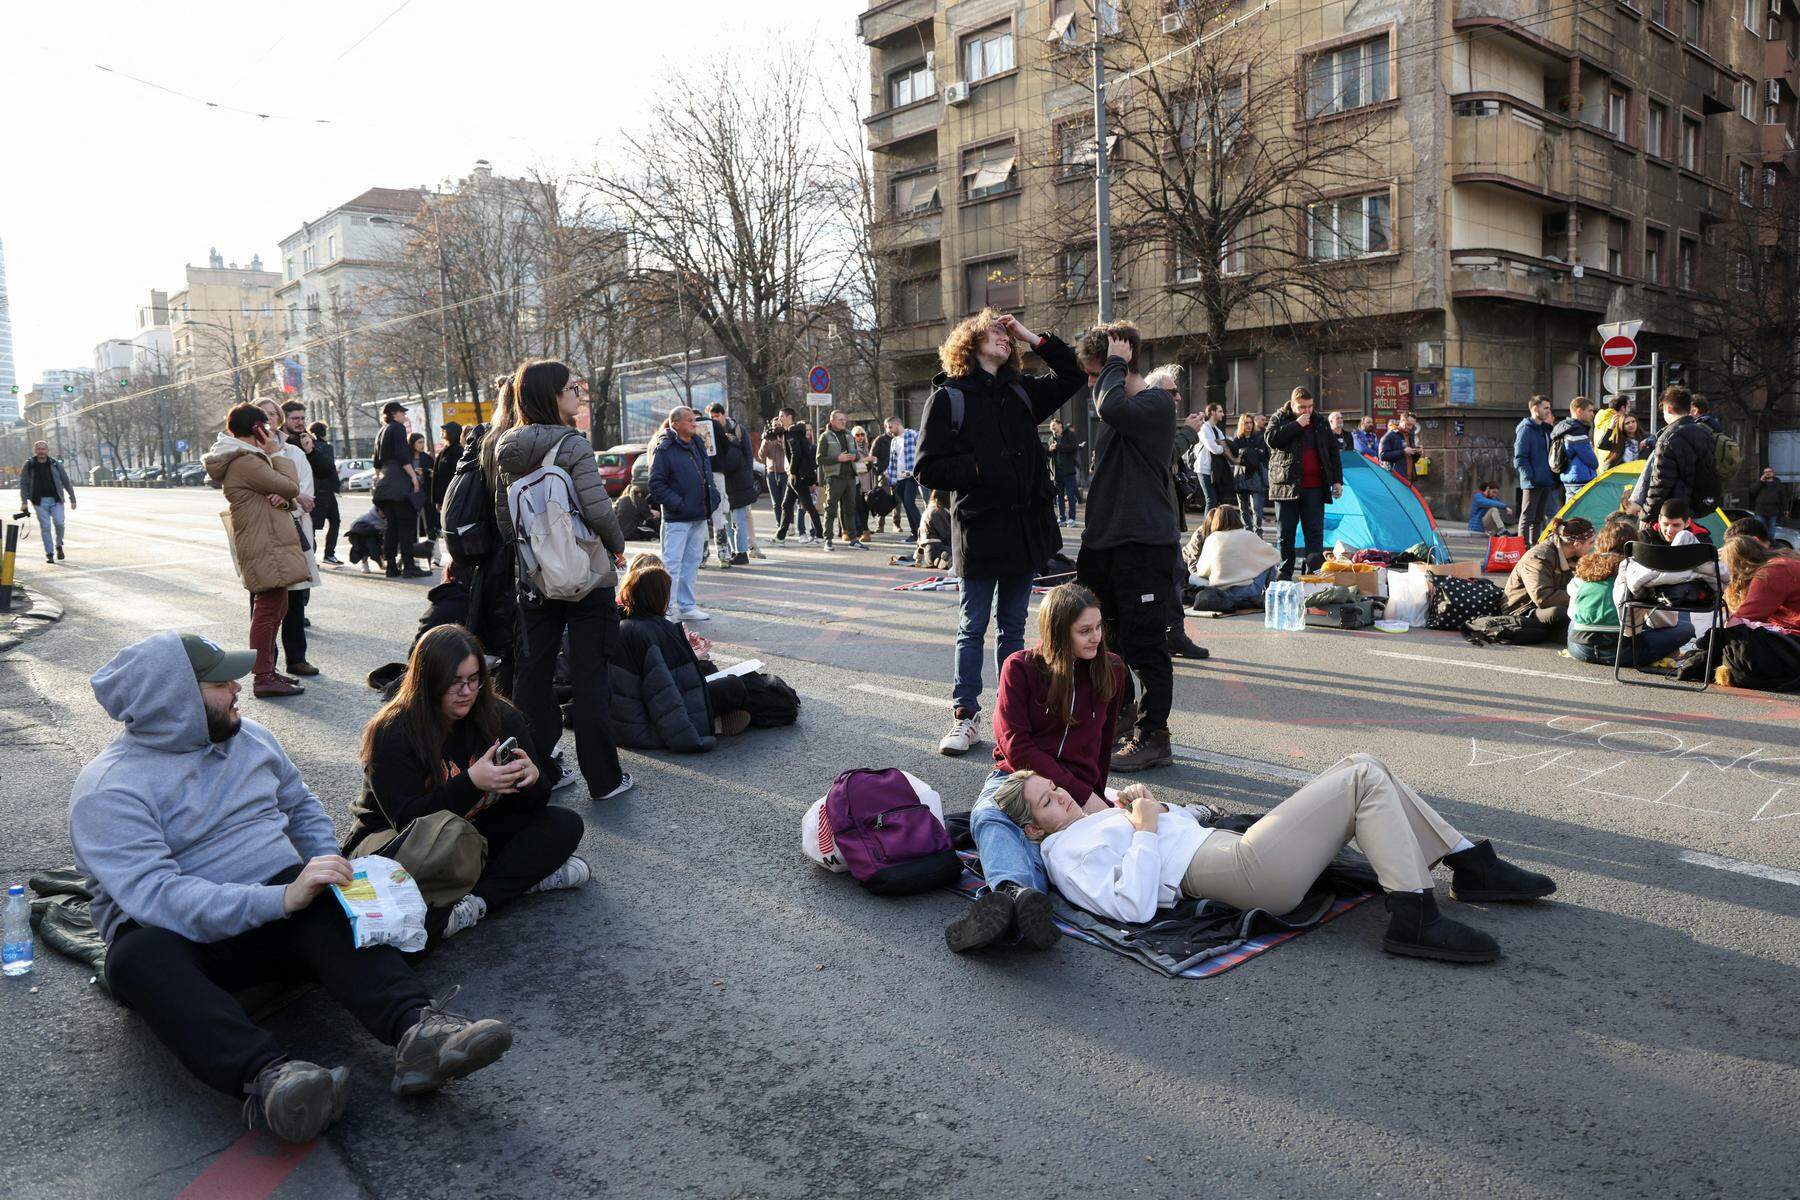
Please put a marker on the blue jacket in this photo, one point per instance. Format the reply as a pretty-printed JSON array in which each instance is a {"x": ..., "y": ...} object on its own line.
[
  {"x": 1393, "y": 451},
  {"x": 1578, "y": 444},
  {"x": 681, "y": 480},
  {"x": 1478, "y": 507},
  {"x": 1368, "y": 444},
  {"x": 1531, "y": 453}
]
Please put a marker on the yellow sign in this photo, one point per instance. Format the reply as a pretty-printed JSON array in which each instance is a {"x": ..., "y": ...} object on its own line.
[{"x": 463, "y": 413}]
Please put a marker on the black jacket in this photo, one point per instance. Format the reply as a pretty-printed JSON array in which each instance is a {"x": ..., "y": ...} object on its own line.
[
  {"x": 1682, "y": 465},
  {"x": 1004, "y": 515},
  {"x": 803, "y": 469},
  {"x": 1131, "y": 497},
  {"x": 1287, "y": 440},
  {"x": 659, "y": 699},
  {"x": 1065, "y": 452},
  {"x": 443, "y": 470},
  {"x": 392, "y": 457},
  {"x": 735, "y": 462},
  {"x": 323, "y": 460},
  {"x": 46, "y": 478}
]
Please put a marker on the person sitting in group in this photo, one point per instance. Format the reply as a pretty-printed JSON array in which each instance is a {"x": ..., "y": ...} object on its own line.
[
  {"x": 1488, "y": 513},
  {"x": 435, "y": 747},
  {"x": 208, "y": 859},
  {"x": 1747, "y": 527},
  {"x": 661, "y": 699},
  {"x": 1763, "y": 650},
  {"x": 1539, "y": 582},
  {"x": 1056, "y": 716},
  {"x": 1594, "y": 631},
  {"x": 1234, "y": 567},
  {"x": 1673, "y": 525},
  {"x": 1127, "y": 862},
  {"x": 933, "y": 546},
  {"x": 638, "y": 520}
]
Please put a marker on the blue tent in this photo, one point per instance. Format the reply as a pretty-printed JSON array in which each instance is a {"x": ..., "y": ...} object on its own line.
[{"x": 1378, "y": 511}]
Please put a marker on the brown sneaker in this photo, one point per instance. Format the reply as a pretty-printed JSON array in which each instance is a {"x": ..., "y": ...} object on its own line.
[
  {"x": 732, "y": 723},
  {"x": 296, "y": 1101},
  {"x": 445, "y": 1046},
  {"x": 273, "y": 686},
  {"x": 1143, "y": 750}
]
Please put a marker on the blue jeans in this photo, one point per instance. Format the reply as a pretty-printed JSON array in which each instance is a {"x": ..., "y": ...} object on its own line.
[
  {"x": 1249, "y": 595},
  {"x": 906, "y": 491},
  {"x": 49, "y": 513},
  {"x": 971, "y": 632},
  {"x": 1007, "y": 855},
  {"x": 1652, "y": 644},
  {"x": 683, "y": 546},
  {"x": 1068, "y": 496}
]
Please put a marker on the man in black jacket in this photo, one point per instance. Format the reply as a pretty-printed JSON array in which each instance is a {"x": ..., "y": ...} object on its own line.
[
  {"x": 323, "y": 460},
  {"x": 1681, "y": 464},
  {"x": 1304, "y": 469},
  {"x": 42, "y": 486},
  {"x": 1065, "y": 453},
  {"x": 1003, "y": 520},
  {"x": 803, "y": 474}
]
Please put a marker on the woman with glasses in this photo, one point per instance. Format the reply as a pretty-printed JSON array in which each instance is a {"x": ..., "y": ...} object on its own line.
[
  {"x": 435, "y": 747},
  {"x": 546, "y": 395}
]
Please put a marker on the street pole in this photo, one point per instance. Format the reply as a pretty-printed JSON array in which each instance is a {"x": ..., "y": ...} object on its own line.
[
  {"x": 444, "y": 318},
  {"x": 1103, "y": 268}
]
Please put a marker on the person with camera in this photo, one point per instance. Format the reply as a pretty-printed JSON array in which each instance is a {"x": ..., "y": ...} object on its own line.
[
  {"x": 448, "y": 742},
  {"x": 1304, "y": 470},
  {"x": 43, "y": 485}
]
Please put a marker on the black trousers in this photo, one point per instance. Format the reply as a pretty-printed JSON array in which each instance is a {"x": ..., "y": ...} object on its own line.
[
  {"x": 800, "y": 493},
  {"x": 1133, "y": 583},
  {"x": 399, "y": 536},
  {"x": 325, "y": 516},
  {"x": 524, "y": 848},
  {"x": 1308, "y": 513},
  {"x": 593, "y": 625},
  {"x": 293, "y": 626},
  {"x": 183, "y": 989}
]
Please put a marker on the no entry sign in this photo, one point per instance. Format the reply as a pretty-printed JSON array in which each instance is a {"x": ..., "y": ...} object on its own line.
[{"x": 1618, "y": 351}]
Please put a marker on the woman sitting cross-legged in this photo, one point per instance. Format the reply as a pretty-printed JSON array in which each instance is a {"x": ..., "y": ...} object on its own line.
[
  {"x": 661, "y": 698},
  {"x": 1233, "y": 567},
  {"x": 432, "y": 749},
  {"x": 1126, "y": 863}
]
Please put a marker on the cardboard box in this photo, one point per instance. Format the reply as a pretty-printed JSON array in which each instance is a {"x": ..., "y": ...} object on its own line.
[
  {"x": 1369, "y": 583},
  {"x": 1458, "y": 570}
]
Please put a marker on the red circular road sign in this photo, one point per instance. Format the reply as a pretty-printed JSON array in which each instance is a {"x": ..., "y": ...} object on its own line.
[{"x": 1618, "y": 351}]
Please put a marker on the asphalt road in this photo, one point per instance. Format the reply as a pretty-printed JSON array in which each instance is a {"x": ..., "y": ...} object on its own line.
[{"x": 715, "y": 1017}]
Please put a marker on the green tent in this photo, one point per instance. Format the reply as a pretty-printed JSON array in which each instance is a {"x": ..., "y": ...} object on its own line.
[{"x": 1599, "y": 498}]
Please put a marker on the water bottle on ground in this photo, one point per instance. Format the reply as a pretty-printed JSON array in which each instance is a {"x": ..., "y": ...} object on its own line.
[
  {"x": 1272, "y": 605},
  {"x": 16, "y": 948},
  {"x": 1296, "y": 609}
]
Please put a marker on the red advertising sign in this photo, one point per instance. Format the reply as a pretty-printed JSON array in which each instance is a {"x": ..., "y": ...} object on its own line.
[{"x": 1390, "y": 394}]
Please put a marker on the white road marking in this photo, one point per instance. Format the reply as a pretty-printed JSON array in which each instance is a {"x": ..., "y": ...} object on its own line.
[
  {"x": 75, "y": 574},
  {"x": 1739, "y": 867},
  {"x": 1602, "y": 680},
  {"x": 897, "y": 694}
]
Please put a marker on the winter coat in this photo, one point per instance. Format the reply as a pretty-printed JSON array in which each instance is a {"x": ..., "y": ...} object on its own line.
[
  {"x": 1003, "y": 517},
  {"x": 1393, "y": 452},
  {"x": 521, "y": 449},
  {"x": 659, "y": 697},
  {"x": 681, "y": 479},
  {"x": 1478, "y": 507},
  {"x": 1538, "y": 580},
  {"x": 1366, "y": 443},
  {"x": 1682, "y": 465},
  {"x": 1531, "y": 453},
  {"x": 55, "y": 480},
  {"x": 1287, "y": 440},
  {"x": 1252, "y": 469},
  {"x": 1065, "y": 453},
  {"x": 636, "y": 522},
  {"x": 1578, "y": 445},
  {"x": 735, "y": 462},
  {"x": 324, "y": 468},
  {"x": 393, "y": 455},
  {"x": 1769, "y": 500},
  {"x": 443, "y": 470},
  {"x": 264, "y": 539},
  {"x": 1773, "y": 597}
]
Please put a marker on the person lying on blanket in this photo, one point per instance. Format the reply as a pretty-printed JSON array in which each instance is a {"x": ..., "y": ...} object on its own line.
[{"x": 1128, "y": 861}]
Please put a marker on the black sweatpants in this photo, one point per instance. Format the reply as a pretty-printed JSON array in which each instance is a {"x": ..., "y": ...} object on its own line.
[
  {"x": 1307, "y": 513},
  {"x": 183, "y": 989},
  {"x": 800, "y": 493},
  {"x": 1133, "y": 583},
  {"x": 399, "y": 536},
  {"x": 293, "y": 626},
  {"x": 523, "y": 849},
  {"x": 593, "y": 625},
  {"x": 325, "y": 516}
]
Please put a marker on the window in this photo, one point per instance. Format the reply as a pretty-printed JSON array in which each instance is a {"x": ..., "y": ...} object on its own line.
[
  {"x": 1197, "y": 117},
  {"x": 1659, "y": 12},
  {"x": 987, "y": 53},
  {"x": 1685, "y": 252},
  {"x": 1075, "y": 147},
  {"x": 1690, "y": 143},
  {"x": 993, "y": 283},
  {"x": 1656, "y": 130},
  {"x": 1618, "y": 235},
  {"x": 1340, "y": 80},
  {"x": 989, "y": 170},
  {"x": 918, "y": 301},
  {"x": 331, "y": 248},
  {"x": 306, "y": 258},
  {"x": 1350, "y": 227},
  {"x": 1740, "y": 272},
  {"x": 1752, "y": 14},
  {"x": 1693, "y": 19},
  {"x": 1746, "y": 99},
  {"x": 1106, "y": 12},
  {"x": 909, "y": 85},
  {"x": 1231, "y": 261},
  {"x": 1618, "y": 104},
  {"x": 1075, "y": 271},
  {"x": 1653, "y": 255},
  {"x": 1771, "y": 114},
  {"x": 290, "y": 266},
  {"x": 1744, "y": 177},
  {"x": 1768, "y": 187},
  {"x": 912, "y": 194},
  {"x": 1062, "y": 25}
]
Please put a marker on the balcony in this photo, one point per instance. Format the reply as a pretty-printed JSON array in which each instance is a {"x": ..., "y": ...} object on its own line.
[
  {"x": 1507, "y": 275},
  {"x": 908, "y": 231},
  {"x": 1779, "y": 63},
  {"x": 883, "y": 21},
  {"x": 898, "y": 124},
  {"x": 1777, "y": 142},
  {"x": 1497, "y": 140},
  {"x": 1546, "y": 25}
]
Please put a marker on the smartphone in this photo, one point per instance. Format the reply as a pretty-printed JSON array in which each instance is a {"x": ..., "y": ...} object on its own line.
[{"x": 506, "y": 750}]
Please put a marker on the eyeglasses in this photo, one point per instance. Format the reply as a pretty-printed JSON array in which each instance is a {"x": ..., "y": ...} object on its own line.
[
  {"x": 470, "y": 684},
  {"x": 576, "y": 385}
]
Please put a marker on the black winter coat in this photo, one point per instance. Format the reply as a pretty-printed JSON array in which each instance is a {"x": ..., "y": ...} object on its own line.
[
  {"x": 735, "y": 462},
  {"x": 323, "y": 461},
  {"x": 1287, "y": 439},
  {"x": 803, "y": 467},
  {"x": 1004, "y": 515},
  {"x": 1682, "y": 466},
  {"x": 443, "y": 470},
  {"x": 659, "y": 697}
]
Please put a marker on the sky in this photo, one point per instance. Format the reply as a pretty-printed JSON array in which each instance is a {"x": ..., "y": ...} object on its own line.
[{"x": 110, "y": 186}]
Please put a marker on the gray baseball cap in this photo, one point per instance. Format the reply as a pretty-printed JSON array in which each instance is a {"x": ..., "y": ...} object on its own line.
[{"x": 213, "y": 663}]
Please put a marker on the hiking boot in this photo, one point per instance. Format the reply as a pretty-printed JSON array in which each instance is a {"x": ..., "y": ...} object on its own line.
[
  {"x": 1143, "y": 750},
  {"x": 273, "y": 686},
  {"x": 464, "y": 914},
  {"x": 1182, "y": 646},
  {"x": 1127, "y": 721},
  {"x": 1480, "y": 874},
  {"x": 296, "y": 1101},
  {"x": 732, "y": 723},
  {"x": 445, "y": 1046},
  {"x": 572, "y": 874},
  {"x": 988, "y": 920},
  {"x": 1034, "y": 919},
  {"x": 963, "y": 733},
  {"x": 303, "y": 668},
  {"x": 1420, "y": 931}
]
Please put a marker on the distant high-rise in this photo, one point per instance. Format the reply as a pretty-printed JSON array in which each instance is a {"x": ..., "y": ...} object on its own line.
[{"x": 9, "y": 400}]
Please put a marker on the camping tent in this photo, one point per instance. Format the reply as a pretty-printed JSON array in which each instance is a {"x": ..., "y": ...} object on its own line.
[
  {"x": 1599, "y": 498},
  {"x": 1378, "y": 511}
]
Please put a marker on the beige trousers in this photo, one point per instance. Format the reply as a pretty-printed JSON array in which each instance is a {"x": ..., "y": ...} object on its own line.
[{"x": 1272, "y": 865}]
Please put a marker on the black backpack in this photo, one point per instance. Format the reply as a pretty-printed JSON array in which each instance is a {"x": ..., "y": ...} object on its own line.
[
  {"x": 1507, "y": 629},
  {"x": 770, "y": 701},
  {"x": 1559, "y": 453},
  {"x": 470, "y": 532}
]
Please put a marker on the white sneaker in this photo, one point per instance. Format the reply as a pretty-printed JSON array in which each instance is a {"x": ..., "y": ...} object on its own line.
[
  {"x": 571, "y": 874},
  {"x": 626, "y": 783},
  {"x": 465, "y": 914},
  {"x": 694, "y": 614},
  {"x": 826, "y": 546},
  {"x": 963, "y": 733},
  {"x": 756, "y": 552},
  {"x": 565, "y": 778}
]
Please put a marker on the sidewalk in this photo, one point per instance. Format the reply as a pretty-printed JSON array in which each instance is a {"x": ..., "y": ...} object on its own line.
[{"x": 32, "y": 612}]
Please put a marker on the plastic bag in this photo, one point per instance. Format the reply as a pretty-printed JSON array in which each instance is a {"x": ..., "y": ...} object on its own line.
[
  {"x": 384, "y": 905},
  {"x": 1409, "y": 596}
]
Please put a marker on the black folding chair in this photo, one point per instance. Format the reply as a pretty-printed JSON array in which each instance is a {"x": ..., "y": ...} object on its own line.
[{"x": 1669, "y": 559}]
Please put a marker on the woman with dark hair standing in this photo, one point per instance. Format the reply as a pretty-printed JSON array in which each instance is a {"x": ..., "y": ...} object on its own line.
[
  {"x": 434, "y": 748},
  {"x": 546, "y": 395},
  {"x": 394, "y": 488},
  {"x": 425, "y": 514}
]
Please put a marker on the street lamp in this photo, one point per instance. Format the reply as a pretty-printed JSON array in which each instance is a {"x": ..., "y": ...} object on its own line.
[{"x": 443, "y": 307}]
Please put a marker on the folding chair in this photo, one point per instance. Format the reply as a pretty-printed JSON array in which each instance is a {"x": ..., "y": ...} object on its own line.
[{"x": 1658, "y": 557}]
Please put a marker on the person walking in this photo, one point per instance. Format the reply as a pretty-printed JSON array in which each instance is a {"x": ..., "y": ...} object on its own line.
[
  {"x": 1250, "y": 461},
  {"x": 1065, "y": 456},
  {"x": 296, "y": 445},
  {"x": 980, "y": 441},
  {"x": 681, "y": 483},
  {"x": 396, "y": 481},
  {"x": 772, "y": 453},
  {"x": 44, "y": 486},
  {"x": 1537, "y": 482},
  {"x": 1304, "y": 470},
  {"x": 736, "y": 465},
  {"x": 803, "y": 477},
  {"x": 838, "y": 462},
  {"x": 326, "y": 484},
  {"x": 546, "y": 395},
  {"x": 903, "y": 456}
]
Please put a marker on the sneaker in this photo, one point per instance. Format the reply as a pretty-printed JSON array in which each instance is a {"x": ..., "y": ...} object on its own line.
[
  {"x": 1142, "y": 751},
  {"x": 862, "y": 545},
  {"x": 59, "y": 553},
  {"x": 296, "y": 1101},
  {"x": 724, "y": 563},
  {"x": 465, "y": 914},
  {"x": 732, "y": 723},
  {"x": 565, "y": 778},
  {"x": 414, "y": 571},
  {"x": 571, "y": 874},
  {"x": 740, "y": 559},
  {"x": 445, "y": 1046},
  {"x": 626, "y": 783},
  {"x": 273, "y": 686},
  {"x": 693, "y": 614},
  {"x": 756, "y": 552},
  {"x": 707, "y": 564},
  {"x": 780, "y": 540},
  {"x": 333, "y": 560},
  {"x": 828, "y": 546},
  {"x": 963, "y": 733}
]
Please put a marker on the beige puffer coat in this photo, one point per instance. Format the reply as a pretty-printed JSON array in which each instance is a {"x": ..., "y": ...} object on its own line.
[{"x": 265, "y": 542}]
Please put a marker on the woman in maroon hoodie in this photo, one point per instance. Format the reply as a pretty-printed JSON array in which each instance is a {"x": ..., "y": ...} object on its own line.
[{"x": 1058, "y": 707}]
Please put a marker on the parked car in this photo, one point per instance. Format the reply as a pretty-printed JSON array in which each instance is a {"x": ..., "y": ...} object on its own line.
[
  {"x": 350, "y": 466},
  {"x": 361, "y": 481},
  {"x": 617, "y": 465},
  {"x": 190, "y": 474}
]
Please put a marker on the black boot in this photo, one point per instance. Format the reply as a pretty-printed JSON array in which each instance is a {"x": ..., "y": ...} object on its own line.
[
  {"x": 1182, "y": 646},
  {"x": 988, "y": 921},
  {"x": 1034, "y": 920},
  {"x": 1480, "y": 874},
  {"x": 1419, "y": 930}
]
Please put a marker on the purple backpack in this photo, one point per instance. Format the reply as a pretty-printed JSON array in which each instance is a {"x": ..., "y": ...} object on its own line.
[{"x": 891, "y": 841}]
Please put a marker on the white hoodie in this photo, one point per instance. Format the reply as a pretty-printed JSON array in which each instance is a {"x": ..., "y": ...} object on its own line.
[{"x": 1106, "y": 865}]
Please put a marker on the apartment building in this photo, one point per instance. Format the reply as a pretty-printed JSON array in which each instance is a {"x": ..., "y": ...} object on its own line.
[
  {"x": 223, "y": 319},
  {"x": 1524, "y": 171}
]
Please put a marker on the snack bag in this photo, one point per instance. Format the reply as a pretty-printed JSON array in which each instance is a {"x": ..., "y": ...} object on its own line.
[{"x": 384, "y": 905}]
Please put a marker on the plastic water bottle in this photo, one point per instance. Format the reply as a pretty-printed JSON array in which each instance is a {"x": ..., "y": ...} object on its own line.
[
  {"x": 1297, "y": 613},
  {"x": 1272, "y": 605},
  {"x": 16, "y": 950}
]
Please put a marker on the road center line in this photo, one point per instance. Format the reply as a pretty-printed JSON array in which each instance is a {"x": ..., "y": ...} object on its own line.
[
  {"x": 1739, "y": 867},
  {"x": 1601, "y": 680}
]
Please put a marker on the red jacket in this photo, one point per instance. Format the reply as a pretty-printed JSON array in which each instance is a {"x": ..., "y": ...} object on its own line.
[
  {"x": 1028, "y": 737},
  {"x": 1772, "y": 599}
]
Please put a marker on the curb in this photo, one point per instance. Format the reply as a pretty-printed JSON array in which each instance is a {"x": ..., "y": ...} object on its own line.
[{"x": 36, "y": 613}]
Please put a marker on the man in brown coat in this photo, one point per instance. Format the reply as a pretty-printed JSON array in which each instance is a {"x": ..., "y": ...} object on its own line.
[
  {"x": 261, "y": 485},
  {"x": 1539, "y": 582}
]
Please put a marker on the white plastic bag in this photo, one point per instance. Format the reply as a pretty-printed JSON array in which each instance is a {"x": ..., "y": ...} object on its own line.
[
  {"x": 1409, "y": 596},
  {"x": 384, "y": 905}
]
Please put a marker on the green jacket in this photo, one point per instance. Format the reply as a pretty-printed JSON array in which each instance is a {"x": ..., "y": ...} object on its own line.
[
  {"x": 1592, "y": 609},
  {"x": 831, "y": 444}
]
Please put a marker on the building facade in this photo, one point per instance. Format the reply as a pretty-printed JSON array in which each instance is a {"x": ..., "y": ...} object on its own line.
[
  {"x": 10, "y": 409},
  {"x": 220, "y": 324}
]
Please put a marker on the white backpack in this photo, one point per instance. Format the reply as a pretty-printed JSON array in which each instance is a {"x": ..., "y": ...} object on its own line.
[{"x": 558, "y": 554}]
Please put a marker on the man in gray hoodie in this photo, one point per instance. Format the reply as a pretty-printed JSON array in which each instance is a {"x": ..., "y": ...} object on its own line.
[{"x": 209, "y": 859}]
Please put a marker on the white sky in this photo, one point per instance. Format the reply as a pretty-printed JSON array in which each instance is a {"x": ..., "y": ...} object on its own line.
[{"x": 109, "y": 187}]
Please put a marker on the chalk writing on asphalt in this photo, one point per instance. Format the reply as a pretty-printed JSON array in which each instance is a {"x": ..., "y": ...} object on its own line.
[{"x": 1716, "y": 775}]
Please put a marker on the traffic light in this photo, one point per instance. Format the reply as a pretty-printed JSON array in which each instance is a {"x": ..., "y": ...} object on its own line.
[
  {"x": 69, "y": 389},
  {"x": 14, "y": 389},
  {"x": 124, "y": 383}
]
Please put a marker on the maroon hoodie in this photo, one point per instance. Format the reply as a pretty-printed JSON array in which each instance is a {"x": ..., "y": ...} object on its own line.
[{"x": 1028, "y": 737}]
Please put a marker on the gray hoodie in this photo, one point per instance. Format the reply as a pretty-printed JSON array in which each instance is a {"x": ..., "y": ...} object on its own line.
[{"x": 175, "y": 831}]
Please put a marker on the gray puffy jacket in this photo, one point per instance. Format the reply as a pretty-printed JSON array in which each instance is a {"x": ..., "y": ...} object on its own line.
[{"x": 523, "y": 447}]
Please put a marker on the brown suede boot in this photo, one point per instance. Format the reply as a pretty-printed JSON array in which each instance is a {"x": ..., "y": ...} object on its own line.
[{"x": 1142, "y": 751}]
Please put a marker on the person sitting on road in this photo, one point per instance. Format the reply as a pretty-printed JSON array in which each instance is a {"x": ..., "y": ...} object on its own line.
[
  {"x": 638, "y": 520},
  {"x": 1539, "y": 582},
  {"x": 1488, "y": 513},
  {"x": 1057, "y": 713},
  {"x": 208, "y": 859},
  {"x": 932, "y": 548},
  {"x": 435, "y": 748},
  {"x": 1234, "y": 567},
  {"x": 1747, "y": 527},
  {"x": 1760, "y": 642},
  {"x": 1126, "y": 862},
  {"x": 661, "y": 699},
  {"x": 1594, "y": 610}
]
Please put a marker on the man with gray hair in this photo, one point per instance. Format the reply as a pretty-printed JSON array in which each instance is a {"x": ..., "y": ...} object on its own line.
[
  {"x": 681, "y": 483},
  {"x": 43, "y": 484}
]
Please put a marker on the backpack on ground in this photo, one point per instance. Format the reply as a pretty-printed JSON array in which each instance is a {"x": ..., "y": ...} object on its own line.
[
  {"x": 1507, "y": 629},
  {"x": 470, "y": 532},
  {"x": 558, "y": 554},
  {"x": 1456, "y": 601},
  {"x": 770, "y": 700},
  {"x": 885, "y": 828}
]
